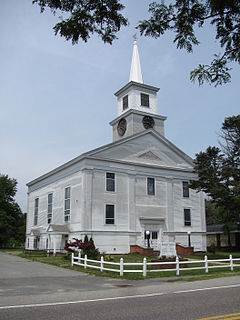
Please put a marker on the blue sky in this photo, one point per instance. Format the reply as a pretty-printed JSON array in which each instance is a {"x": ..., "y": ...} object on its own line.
[{"x": 56, "y": 100}]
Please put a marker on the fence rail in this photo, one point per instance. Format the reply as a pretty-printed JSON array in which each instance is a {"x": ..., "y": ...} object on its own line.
[{"x": 175, "y": 266}]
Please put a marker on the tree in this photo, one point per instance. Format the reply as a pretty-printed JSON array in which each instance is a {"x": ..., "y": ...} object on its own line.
[
  {"x": 219, "y": 173},
  {"x": 85, "y": 17},
  {"x": 12, "y": 221},
  {"x": 213, "y": 213},
  {"x": 184, "y": 16},
  {"x": 102, "y": 17}
]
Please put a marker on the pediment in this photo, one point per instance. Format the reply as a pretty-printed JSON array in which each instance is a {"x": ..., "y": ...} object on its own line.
[
  {"x": 149, "y": 155},
  {"x": 146, "y": 148}
]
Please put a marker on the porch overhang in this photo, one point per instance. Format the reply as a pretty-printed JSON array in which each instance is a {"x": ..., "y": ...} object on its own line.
[{"x": 58, "y": 229}]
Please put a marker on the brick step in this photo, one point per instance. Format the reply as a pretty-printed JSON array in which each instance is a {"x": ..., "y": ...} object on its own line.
[{"x": 144, "y": 251}]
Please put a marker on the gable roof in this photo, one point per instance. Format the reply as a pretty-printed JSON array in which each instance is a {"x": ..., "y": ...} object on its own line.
[
  {"x": 58, "y": 228},
  {"x": 104, "y": 151},
  {"x": 151, "y": 132}
]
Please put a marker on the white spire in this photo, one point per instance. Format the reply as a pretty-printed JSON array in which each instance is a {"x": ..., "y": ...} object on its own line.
[{"x": 135, "y": 73}]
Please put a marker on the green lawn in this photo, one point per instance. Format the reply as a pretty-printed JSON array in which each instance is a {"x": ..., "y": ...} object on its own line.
[{"x": 63, "y": 261}]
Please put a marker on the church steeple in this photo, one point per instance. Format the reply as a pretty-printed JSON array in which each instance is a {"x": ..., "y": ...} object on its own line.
[
  {"x": 135, "y": 72},
  {"x": 137, "y": 104}
]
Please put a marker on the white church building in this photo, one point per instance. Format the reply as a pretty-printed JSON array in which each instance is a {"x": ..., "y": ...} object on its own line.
[{"x": 117, "y": 192}]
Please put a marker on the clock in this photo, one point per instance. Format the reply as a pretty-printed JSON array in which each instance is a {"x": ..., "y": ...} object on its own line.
[
  {"x": 148, "y": 122},
  {"x": 122, "y": 127}
]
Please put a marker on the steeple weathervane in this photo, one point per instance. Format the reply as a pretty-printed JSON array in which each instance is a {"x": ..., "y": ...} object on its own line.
[{"x": 135, "y": 73}]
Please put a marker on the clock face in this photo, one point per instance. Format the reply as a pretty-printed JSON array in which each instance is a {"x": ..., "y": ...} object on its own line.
[
  {"x": 148, "y": 122},
  {"x": 122, "y": 126}
]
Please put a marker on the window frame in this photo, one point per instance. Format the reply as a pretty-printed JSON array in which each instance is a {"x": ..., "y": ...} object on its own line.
[
  {"x": 125, "y": 102},
  {"x": 111, "y": 179},
  {"x": 67, "y": 211},
  {"x": 145, "y": 100},
  {"x": 187, "y": 222},
  {"x": 185, "y": 189},
  {"x": 36, "y": 211},
  {"x": 154, "y": 186},
  {"x": 114, "y": 214},
  {"x": 49, "y": 213}
]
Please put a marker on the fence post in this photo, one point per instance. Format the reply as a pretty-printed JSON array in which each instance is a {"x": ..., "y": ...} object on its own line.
[
  {"x": 144, "y": 267},
  {"x": 206, "y": 264},
  {"x": 72, "y": 260},
  {"x": 79, "y": 256},
  {"x": 121, "y": 267},
  {"x": 101, "y": 265},
  {"x": 177, "y": 266},
  {"x": 231, "y": 262},
  {"x": 85, "y": 261}
]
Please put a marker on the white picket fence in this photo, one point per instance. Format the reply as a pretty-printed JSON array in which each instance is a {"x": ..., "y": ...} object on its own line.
[{"x": 177, "y": 265}]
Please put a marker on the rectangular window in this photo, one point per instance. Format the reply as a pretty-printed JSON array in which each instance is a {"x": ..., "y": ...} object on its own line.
[
  {"x": 109, "y": 214},
  {"x": 187, "y": 217},
  {"x": 36, "y": 211},
  {"x": 67, "y": 204},
  {"x": 49, "y": 212},
  {"x": 35, "y": 243},
  {"x": 151, "y": 186},
  {"x": 144, "y": 100},
  {"x": 154, "y": 235},
  {"x": 125, "y": 102},
  {"x": 185, "y": 189},
  {"x": 110, "y": 181}
]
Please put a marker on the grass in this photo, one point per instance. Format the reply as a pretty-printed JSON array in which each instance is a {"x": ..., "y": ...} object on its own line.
[{"x": 63, "y": 261}]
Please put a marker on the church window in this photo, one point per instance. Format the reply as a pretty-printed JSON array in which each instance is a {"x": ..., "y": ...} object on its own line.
[
  {"x": 154, "y": 235},
  {"x": 35, "y": 242},
  {"x": 67, "y": 204},
  {"x": 144, "y": 100},
  {"x": 125, "y": 102},
  {"x": 187, "y": 217},
  {"x": 110, "y": 181},
  {"x": 151, "y": 186},
  {"x": 36, "y": 211},
  {"x": 185, "y": 189},
  {"x": 49, "y": 212},
  {"x": 110, "y": 215}
]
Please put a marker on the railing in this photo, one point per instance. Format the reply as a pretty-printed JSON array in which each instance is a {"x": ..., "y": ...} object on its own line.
[{"x": 175, "y": 265}]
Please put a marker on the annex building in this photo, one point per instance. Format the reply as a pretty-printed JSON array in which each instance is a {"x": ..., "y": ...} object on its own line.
[{"x": 117, "y": 192}]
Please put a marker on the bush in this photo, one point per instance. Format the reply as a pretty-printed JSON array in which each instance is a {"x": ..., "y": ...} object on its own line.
[
  {"x": 87, "y": 247},
  {"x": 212, "y": 248}
]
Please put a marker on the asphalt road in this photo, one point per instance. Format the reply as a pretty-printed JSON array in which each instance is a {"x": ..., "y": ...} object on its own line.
[{"x": 30, "y": 290}]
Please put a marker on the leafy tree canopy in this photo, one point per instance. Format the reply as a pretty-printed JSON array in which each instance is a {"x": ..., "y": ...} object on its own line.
[
  {"x": 219, "y": 172},
  {"x": 183, "y": 16},
  {"x": 85, "y": 17},
  {"x": 12, "y": 221},
  {"x": 82, "y": 18}
]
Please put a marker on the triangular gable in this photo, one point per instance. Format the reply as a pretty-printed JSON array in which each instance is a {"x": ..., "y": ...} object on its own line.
[
  {"x": 147, "y": 147},
  {"x": 149, "y": 155}
]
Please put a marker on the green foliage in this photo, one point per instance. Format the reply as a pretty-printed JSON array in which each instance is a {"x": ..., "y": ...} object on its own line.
[
  {"x": 219, "y": 173},
  {"x": 81, "y": 18},
  {"x": 85, "y": 239},
  {"x": 183, "y": 17},
  {"x": 12, "y": 221},
  {"x": 86, "y": 247},
  {"x": 214, "y": 214},
  {"x": 212, "y": 248}
]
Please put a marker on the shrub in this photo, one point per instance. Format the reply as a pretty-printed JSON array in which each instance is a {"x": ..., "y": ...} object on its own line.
[
  {"x": 87, "y": 247},
  {"x": 212, "y": 248}
]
